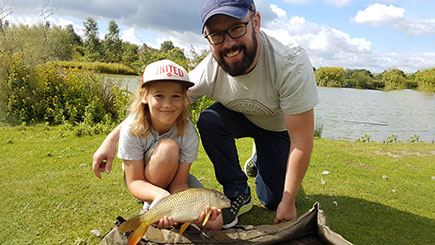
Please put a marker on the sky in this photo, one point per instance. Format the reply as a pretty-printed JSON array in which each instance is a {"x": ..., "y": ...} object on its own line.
[{"x": 376, "y": 35}]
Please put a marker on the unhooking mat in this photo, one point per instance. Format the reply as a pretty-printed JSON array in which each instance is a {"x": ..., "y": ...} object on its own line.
[{"x": 309, "y": 228}]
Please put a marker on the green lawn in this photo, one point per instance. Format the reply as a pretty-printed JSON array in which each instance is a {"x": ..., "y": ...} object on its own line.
[{"x": 373, "y": 194}]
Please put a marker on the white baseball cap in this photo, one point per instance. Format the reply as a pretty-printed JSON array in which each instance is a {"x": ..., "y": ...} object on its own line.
[{"x": 166, "y": 70}]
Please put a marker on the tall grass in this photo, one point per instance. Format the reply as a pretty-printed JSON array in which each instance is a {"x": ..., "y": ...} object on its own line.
[
  {"x": 372, "y": 193},
  {"x": 98, "y": 67}
]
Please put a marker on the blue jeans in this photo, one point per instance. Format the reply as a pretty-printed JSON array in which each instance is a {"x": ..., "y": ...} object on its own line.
[{"x": 218, "y": 127}]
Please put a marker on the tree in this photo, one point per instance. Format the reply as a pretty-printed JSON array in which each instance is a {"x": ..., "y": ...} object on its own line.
[
  {"x": 130, "y": 54},
  {"x": 166, "y": 46},
  {"x": 426, "y": 79},
  {"x": 330, "y": 76},
  {"x": 77, "y": 40},
  {"x": 113, "y": 43},
  {"x": 60, "y": 44},
  {"x": 359, "y": 78},
  {"x": 197, "y": 57},
  {"x": 394, "y": 79},
  {"x": 92, "y": 44}
]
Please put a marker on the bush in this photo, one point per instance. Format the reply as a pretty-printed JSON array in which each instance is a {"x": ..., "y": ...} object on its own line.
[
  {"x": 61, "y": 95},
  {"x": 18, "y": 89},
  {"x": 330, "y": 77},
  {"x": 426, "y": 79}
]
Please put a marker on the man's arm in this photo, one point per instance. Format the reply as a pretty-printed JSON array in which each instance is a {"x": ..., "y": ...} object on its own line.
[
  {"x": 300, "y": 128},
  {"x": 103, "y": 157}
]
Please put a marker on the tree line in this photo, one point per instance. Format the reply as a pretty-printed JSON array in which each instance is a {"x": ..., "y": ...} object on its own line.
[
  {"x": 388, "y": 80},
  {"x": 38, "y": 44}
]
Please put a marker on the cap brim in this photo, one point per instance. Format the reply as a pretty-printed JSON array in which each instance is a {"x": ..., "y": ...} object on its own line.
[
  {"x": 238, "y": 13},
  {"x": 186, "y": 84}
]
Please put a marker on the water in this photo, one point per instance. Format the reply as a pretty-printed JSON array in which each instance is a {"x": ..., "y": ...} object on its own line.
[
  {"x": 348, "y": 114},
  {"x": 351, "y": 113}
]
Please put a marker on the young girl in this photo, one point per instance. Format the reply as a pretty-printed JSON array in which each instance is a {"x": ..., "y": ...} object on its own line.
[{"x": 157, "y": 141}]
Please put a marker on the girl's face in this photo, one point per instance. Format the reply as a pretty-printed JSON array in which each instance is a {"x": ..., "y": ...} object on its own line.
[{"x": 165, "y": 101}]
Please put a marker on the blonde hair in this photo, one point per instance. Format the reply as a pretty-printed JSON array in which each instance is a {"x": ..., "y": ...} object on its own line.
[{"x": 141, "y": 124}]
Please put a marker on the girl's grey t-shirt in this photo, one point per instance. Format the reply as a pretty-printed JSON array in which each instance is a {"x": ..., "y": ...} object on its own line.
[{"x": 134, "y": 147}]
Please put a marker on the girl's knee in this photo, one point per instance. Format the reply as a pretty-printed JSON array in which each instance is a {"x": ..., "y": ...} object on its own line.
[
  {"x": 168, "y": 144},
  {"x": 167, "y": 149}
]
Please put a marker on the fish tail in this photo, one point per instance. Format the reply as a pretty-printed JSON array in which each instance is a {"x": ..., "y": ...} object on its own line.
[
  {"x": 131, "y": 224},
  {"x": 137, "y": 235}
]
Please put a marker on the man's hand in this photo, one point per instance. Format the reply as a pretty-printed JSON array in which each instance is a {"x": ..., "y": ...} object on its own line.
[
  {"x": 285, "y": 211},
  {"x": 214, "y": 214}
]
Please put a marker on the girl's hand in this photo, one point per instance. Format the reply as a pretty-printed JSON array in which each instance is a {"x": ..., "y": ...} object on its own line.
[{"x": 165, "y": 223}]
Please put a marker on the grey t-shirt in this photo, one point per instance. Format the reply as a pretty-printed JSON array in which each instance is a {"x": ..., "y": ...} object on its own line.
[
  {"x": 134, "y": 147},
  {"x": 283, "y": 81}
]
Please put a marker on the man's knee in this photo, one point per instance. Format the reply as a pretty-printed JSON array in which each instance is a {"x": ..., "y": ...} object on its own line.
[{"x": 207, "y": 119}]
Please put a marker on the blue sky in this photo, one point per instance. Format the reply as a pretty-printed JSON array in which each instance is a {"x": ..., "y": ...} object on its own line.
[{"x": 356, "y": 34}]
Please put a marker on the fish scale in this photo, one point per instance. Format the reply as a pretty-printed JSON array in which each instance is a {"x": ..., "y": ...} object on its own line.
[{"x": 183, "y": 207}]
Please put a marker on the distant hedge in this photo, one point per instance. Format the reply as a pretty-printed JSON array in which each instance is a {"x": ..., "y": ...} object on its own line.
[{"x": 98, "y": 67}]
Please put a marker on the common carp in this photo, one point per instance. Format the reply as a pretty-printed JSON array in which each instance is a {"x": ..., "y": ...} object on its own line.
[{"x": 183, "y": 207}]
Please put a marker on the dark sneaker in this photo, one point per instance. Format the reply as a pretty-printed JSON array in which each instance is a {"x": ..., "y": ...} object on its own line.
[
  {"x": 250, "y": 167},
  {"x": 239, "y": 205}
]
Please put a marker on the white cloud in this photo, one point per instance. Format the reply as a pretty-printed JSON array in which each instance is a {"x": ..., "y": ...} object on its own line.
[
  {"x": 327, "y": 46},
  {"x": 338, "y": 3},
  {"x": 380, "y": 14},
  {"x": 278, "y": 11},
  {"x": 130, "y": 35},
  {"x": 23, "y": 20},
  {"x": 320, "y": 39},
  {"x": 418, "y": 28}
]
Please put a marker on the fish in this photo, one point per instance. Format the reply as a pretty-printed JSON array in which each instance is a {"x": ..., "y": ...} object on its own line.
[{"x": 183, "y": 207}]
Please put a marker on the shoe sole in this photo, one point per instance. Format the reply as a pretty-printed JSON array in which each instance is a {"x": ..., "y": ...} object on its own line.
[{"x": 249, "y": 159}]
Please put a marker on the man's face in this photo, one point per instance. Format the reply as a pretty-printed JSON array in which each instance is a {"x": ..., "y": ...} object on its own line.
[{"x": 235, "y": 55}]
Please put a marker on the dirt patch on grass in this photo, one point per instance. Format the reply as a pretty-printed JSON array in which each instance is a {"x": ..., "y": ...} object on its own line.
[{"x": 387, "y": 154}]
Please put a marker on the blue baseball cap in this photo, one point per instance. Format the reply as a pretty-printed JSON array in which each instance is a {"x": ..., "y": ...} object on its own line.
[{"x": 234, "y": 8}]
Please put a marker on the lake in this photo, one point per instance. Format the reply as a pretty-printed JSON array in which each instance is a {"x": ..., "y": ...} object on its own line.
[{"x": 348, "y": 114}]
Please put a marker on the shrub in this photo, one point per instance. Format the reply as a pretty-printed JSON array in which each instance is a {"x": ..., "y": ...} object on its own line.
[
  {"x": 394, "y": 79},
  {"x": 330, "y": 76},
  {"x": 18, "y": 89},
  {"x": 61, "y": 95},
  {"x": 426, "y": 79}
]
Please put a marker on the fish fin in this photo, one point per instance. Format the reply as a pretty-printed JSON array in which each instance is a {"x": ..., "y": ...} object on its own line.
[
  {"x": 184, "y": 227},
  {"x": 131, "y": 224},
  {"x": 206, "y": 218},
  {"x": 137, "y": 235}
]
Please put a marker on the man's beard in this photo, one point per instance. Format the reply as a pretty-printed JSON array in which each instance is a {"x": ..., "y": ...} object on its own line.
[{"x": 237, "y": 69}]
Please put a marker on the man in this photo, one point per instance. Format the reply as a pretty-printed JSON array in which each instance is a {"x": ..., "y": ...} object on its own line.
[{"x": 264, "y": 90}]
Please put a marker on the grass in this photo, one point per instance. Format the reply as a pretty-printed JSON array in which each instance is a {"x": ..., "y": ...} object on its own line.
[{"x": 372, "y": 193}]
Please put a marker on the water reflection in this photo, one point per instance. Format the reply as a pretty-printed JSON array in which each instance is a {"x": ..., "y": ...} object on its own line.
[{"x": 350, "y": 113}]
